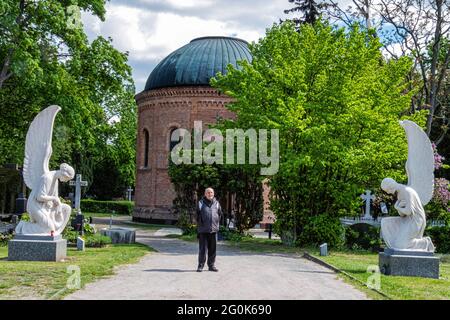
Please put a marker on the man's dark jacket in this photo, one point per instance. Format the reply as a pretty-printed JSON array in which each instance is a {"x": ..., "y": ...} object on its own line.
[{"x": 209, "y": 214}]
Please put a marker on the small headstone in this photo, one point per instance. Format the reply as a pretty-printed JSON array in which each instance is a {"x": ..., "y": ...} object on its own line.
[
  {"x": 14, "y": 219},
  {"x": 323, "y": 249},
  {"x": 80, "y": 244},
  {"x": 384, "y": 208}
]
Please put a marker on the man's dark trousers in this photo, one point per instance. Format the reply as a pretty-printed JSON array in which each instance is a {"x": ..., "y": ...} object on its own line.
[{"x": 207, "y": 242}]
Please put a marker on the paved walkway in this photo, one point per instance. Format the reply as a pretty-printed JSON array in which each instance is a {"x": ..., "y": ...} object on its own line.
[{"x": 171, "y": 273}]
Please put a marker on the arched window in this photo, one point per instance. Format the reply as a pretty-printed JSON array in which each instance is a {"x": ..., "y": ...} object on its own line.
[
  {"x": 173, "y": 143},
  {"x": 146, "y": 147}
]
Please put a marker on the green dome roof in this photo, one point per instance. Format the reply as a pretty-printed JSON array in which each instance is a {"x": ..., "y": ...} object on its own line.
[{"x": 197, "y": 62}]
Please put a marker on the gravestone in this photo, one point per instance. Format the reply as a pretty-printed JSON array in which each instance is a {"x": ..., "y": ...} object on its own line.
[
  {"x": 120, "y": 235},
  {"x": 367, "y": 197},
  {"x": 80, "y": 244},
  {"x": 129, "y": 193},
  {"x": 78, "y": 183},
  {"x": 383, "y": 207},
  {"x": 78, "y": 223},
  {"x": 324, "y": 249}
]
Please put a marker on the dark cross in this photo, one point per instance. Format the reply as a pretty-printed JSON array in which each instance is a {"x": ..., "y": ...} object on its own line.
[{"x": 78, "y": 183}]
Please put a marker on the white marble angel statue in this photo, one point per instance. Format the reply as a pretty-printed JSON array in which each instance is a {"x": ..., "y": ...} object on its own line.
[
  {"x": 47, "y": 214},
  {"x": 406, "y": 231}
]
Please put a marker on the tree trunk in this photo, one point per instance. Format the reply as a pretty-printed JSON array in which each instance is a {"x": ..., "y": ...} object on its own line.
[{"x": 434, "y": 61}]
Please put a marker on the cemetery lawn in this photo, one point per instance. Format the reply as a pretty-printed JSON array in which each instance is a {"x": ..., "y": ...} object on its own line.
[
  {"x": 47, "y": 280},
  {"x": 398, "y": 288},
  {"x": 99, "y": 215}
]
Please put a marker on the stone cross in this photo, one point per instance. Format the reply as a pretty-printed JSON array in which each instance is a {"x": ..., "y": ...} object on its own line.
[
  {"x": 129, "y": 191},
  {"x": 78, "y": 183},
  {"x": 367, "y": 197}
]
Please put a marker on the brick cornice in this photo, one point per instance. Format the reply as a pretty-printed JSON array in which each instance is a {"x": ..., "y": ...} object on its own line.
[{"x": 198, "y": 91}]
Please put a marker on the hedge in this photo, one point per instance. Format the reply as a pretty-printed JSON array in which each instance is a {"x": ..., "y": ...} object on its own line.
[
  {"x": 440, "y": 235},
  {"x": 116, "y": 207}
]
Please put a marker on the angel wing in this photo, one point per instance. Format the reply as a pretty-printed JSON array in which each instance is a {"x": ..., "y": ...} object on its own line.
[
  {"x": 420, "y": 163},
  {"x": 38, "y": 146}
]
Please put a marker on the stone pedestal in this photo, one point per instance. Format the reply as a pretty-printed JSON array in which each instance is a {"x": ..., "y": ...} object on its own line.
[
  {"x": 409, "y": 263},
  {"x": 37, "y": 248},
  {"x": 120, "y": 235}
]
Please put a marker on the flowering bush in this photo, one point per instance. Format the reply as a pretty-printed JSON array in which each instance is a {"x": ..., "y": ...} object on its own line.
[
  {"x": 439, "y": 206},
  {"x": 438, "y": 159},
  {"x": 441, "y": 192}
]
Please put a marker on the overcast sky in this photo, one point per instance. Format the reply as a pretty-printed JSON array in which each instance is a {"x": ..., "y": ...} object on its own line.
[{"x": 150, "y": 29}]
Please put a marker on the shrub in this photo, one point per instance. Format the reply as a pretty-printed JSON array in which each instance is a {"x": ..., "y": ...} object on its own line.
[
  {"x": 92, "y": 240},
  {"x": 25, "y": 217},
  {"x": 185, "y": 224},
  {"x": 116, "y": 207},
  {"x": 319, "y": 229},
  {"x": 363, "y": 236},
  {"x": 440, "y": 235},
  {"x": 232, "y": 235},
  {"x": 4, "y": 238},
  {"x": 96, "y": 241}
]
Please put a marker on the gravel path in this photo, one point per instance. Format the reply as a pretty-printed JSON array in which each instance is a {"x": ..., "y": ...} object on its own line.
[{"x": 171, "y": 273}]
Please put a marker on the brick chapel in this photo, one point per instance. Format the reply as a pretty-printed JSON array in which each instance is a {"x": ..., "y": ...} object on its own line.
[{"x": 176, "y": 94}]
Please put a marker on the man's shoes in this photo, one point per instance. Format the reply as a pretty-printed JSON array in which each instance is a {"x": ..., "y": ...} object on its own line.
[
  {"x": 213, "y": 269},
  {"x": 199, "y": 268}
]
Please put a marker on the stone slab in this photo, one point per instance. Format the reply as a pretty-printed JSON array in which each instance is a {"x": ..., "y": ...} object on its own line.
[
  {"x": 397, "y": 252},
  {"x": 408, "y": 265},
  {"x": 37, "y": 237},
  {"x": 120, "y": 235},
  {"x": 37, "y": 250}
]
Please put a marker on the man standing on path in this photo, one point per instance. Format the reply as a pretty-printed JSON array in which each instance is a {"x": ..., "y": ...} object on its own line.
[{"x": 209, "y": 213}]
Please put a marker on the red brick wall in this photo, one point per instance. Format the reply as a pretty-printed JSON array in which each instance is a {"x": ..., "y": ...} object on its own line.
[{"x": 160, "y": 111}]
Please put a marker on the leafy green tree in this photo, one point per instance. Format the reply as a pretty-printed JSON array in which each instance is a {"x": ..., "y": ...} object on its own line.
[
  {"x": 337, "y": 103},
  {"x": 242, "y": 183},
  {"x": 46, "y": 58}
]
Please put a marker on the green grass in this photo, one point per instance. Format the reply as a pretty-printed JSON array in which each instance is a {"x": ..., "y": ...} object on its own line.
[
  {"x": 356, "y": 264},
  {"x": 47, "y": 280},
  {"x": 146, "y": 226},
  {"x": 101, "y": 215},
  {"x": 264, "y": 246}
]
